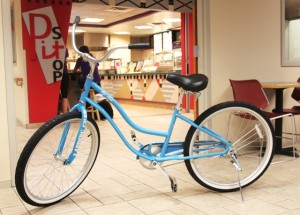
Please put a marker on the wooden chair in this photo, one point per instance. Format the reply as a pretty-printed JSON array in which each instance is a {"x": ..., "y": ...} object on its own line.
[
  {"x": 68, "y": 105},
  {"x": 94, "y": 112},
  {"x": 60, "y": 105},
  {"x": 251, "y": 91}
]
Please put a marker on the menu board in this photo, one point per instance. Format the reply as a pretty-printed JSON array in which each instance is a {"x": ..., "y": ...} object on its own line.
[
  {"x": 162, "y": 42},
  {"x": 167, "y": 41},
  {"x": 157, "y": 38}
]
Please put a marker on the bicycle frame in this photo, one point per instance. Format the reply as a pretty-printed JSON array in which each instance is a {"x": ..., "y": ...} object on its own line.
[{"x": 167, "y": 147}]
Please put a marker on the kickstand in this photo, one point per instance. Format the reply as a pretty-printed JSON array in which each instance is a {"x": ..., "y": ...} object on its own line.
[
  {"x": 238, "y": 170},
  {"x": 171, "y": 178}
]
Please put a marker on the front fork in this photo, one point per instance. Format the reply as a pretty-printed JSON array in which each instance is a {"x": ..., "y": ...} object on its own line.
[{"x": 61, "y": 146}]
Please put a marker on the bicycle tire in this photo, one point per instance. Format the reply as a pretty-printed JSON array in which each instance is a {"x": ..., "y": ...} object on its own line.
[
  {"x": 41, "y": 178},
  {"x": 245, "y": 125}
]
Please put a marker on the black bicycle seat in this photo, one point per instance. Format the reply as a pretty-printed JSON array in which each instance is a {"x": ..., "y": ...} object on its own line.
[{"x": 193, "y": 83}]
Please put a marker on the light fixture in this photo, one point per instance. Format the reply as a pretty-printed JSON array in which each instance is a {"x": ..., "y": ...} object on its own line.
[
  {"x": 143, "y": 27},
  {"x": 122, "y": 33},
  {"x": 77, "y": 31},
  {"x": 170, "y": 20},
  {"x": 94, "y": 20}
]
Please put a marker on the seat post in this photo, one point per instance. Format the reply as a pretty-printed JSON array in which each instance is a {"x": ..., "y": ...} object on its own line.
[
  {"x": 181, "y": 94},
  {"x": 179, "y": 100}
]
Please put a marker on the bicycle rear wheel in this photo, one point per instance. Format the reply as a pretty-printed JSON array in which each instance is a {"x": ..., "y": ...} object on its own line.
[
  {"x": 41, "y": 177},
  {"x": 248, "y": 130}
]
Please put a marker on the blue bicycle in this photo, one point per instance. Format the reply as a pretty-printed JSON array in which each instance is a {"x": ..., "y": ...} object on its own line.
[{"x": 227, "y": 147}]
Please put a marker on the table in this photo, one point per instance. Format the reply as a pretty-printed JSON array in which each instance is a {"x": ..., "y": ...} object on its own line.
[{"x": 279, "y": 88}]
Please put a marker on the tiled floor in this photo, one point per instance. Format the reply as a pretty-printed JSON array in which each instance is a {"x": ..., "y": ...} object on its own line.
[{"x": 118, "y": 184}]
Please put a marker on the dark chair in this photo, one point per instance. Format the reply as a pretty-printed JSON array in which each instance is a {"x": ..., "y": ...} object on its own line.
[
  {"x": 296, "y": 96},
  {"x": 295, "y": 110},
  {"x": 251, "y": 91},
  {"x": 296, "y": 92}
]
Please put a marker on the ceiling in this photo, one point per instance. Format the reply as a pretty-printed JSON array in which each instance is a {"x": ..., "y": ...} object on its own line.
[
  {"x": 118, "y": 18},
  {"x": 122, "y": 19}
]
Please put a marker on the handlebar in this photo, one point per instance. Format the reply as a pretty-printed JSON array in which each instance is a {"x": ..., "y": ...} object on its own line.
[{"x": 91, "y": 59}]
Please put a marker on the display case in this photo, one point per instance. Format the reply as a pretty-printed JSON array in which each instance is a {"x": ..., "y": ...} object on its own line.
[
  {"x": 164, "y": 57},
  {"x": 177, "y": 59}
]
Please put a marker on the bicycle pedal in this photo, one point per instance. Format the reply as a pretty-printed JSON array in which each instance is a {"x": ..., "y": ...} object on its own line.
[
  {"x": 171, "y": 178},
  {"x": 134, "y": 138},
  {"x": 173, "y": 184}
]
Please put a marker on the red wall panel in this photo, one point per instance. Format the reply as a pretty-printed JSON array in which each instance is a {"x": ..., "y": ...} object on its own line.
[{"x": 43, "y": 94}]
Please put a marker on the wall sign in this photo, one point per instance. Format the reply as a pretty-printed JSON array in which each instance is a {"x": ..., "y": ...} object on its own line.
[{"x": 47, "y": 42}]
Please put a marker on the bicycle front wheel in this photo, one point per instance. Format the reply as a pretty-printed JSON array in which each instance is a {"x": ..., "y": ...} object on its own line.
[
  {"x": 42, "y": 178},
  {"x": 248, "y": 130}
]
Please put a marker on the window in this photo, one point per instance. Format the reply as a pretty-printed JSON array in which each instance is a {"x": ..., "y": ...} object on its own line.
[{"x": 290, "y": 28}]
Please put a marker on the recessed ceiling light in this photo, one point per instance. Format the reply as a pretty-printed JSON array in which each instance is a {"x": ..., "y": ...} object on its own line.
[
  {"x": 92, "y": 20},
  {"x": 156, "y": 23},
  {"x": 143, "y": 27},
  {"x": 122, "y": 32},
  {"x": 172, "y": 20}
]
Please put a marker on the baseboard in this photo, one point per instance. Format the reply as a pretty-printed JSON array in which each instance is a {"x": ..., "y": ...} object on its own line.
[
  {"x": 34, "y": 125},
  {"x": 5, "y": 184},
  {"x": 29, "y": 125}
]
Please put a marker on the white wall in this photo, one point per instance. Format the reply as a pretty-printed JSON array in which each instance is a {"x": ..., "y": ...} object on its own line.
[
  {"x": 4, "y": 152},
  {"x": 246, "y": 43},
  {"x": 19, "y": 68},
  {"x": 7, "y": 122},
  {"x": 116, "y": 40}
]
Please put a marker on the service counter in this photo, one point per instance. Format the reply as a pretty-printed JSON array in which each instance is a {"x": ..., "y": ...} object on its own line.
[
  {"x": 150, "y": 86},
  {"x": 137, "y": 86}
]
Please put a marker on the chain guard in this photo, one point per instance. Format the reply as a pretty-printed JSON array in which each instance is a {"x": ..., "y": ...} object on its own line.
[{"x": 155, "y": 150}]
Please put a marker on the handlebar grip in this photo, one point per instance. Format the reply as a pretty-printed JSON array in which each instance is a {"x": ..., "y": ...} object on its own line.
[
  {"x": 76, "y": 20},
  {"x": 139, "y": 46}
]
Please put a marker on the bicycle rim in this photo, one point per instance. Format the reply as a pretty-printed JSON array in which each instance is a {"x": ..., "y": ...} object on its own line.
[
  {"x": 45, "y": 178},
  {"x": 250, "y": 133}
]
